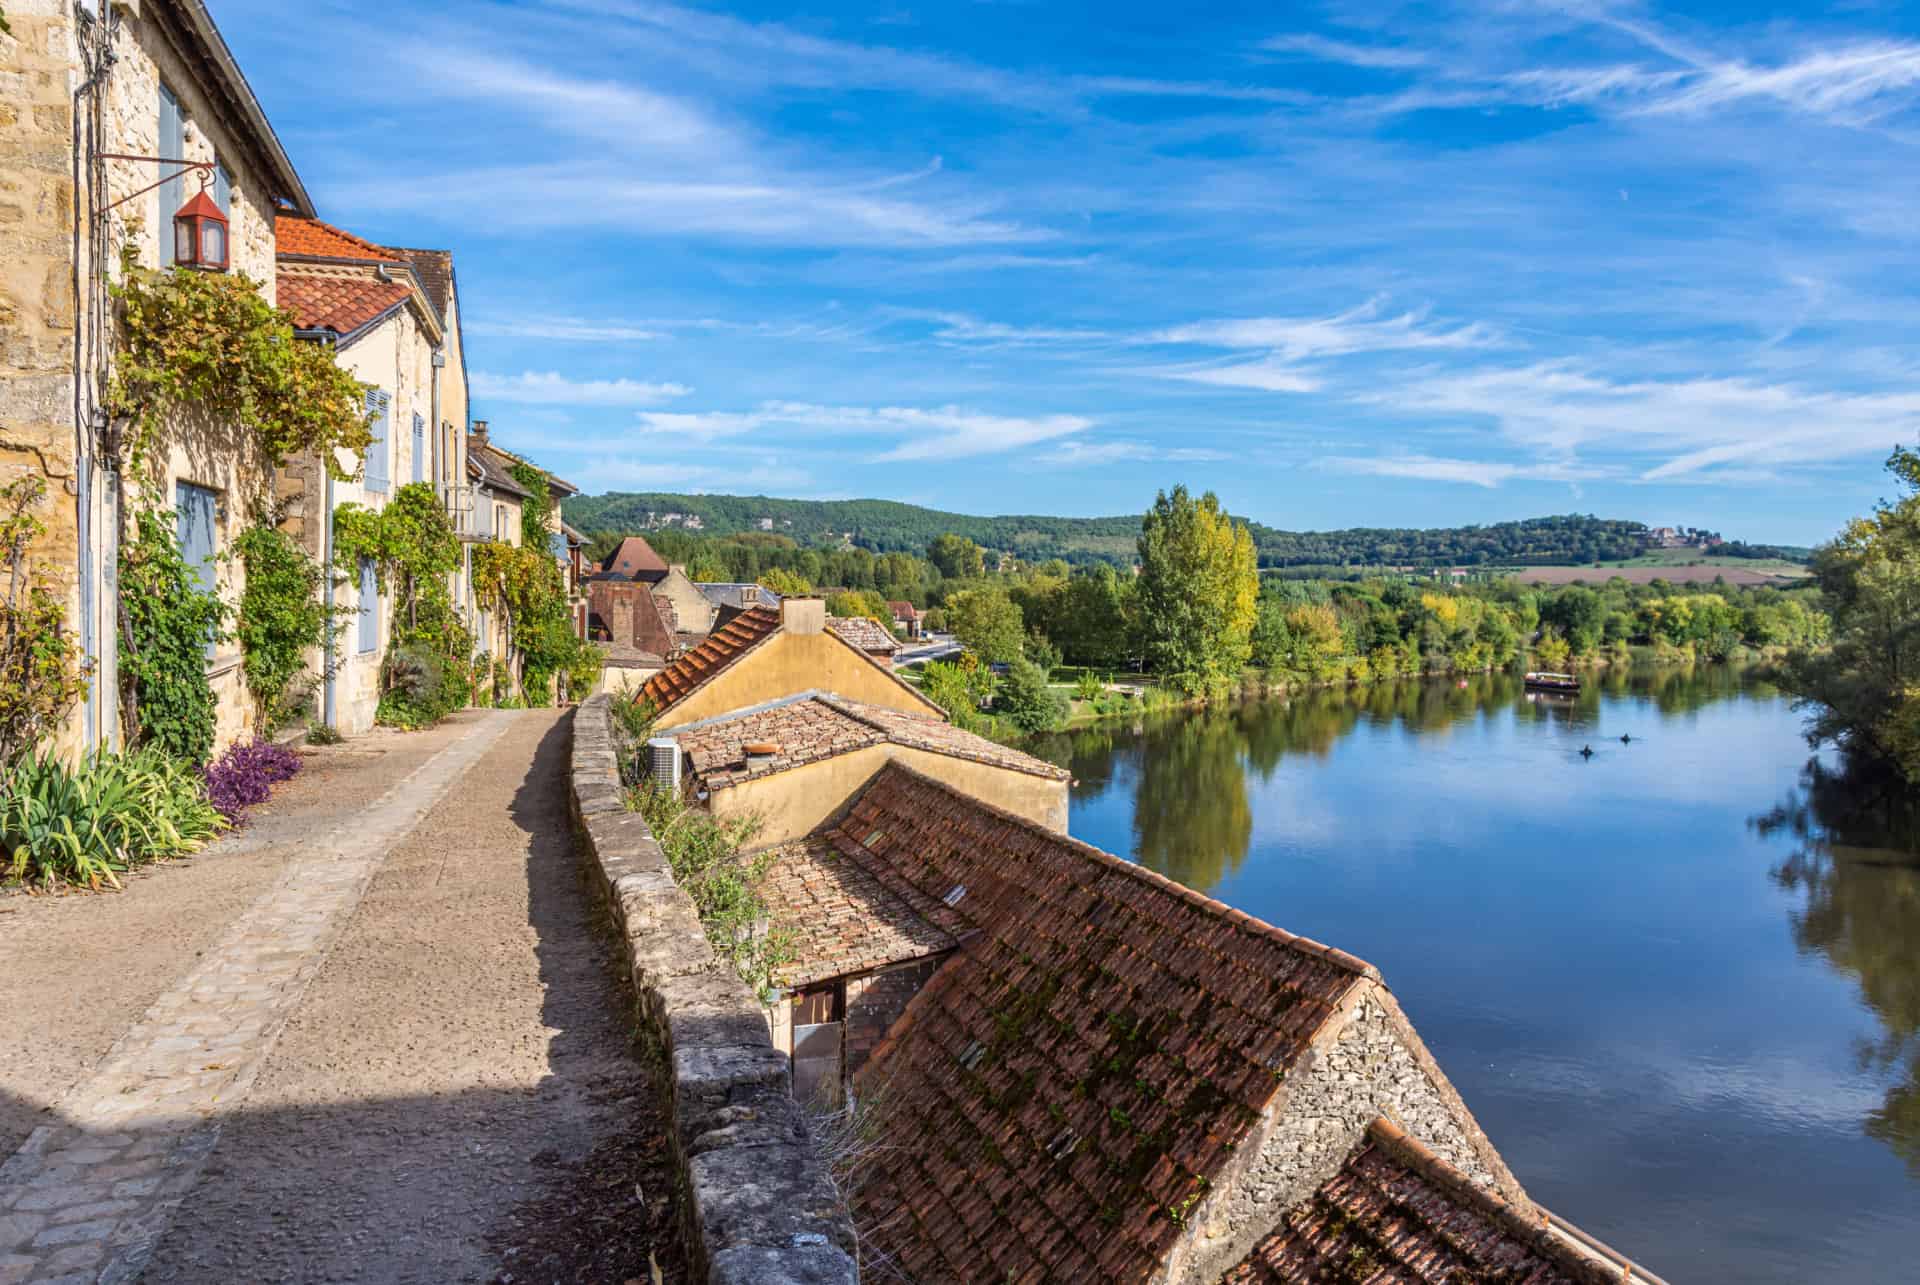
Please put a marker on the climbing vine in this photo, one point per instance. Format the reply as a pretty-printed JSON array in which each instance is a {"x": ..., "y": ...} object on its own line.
[
  {"x": 280, "y": 623},
  {"x": 41, "y": 676},
  {"x": 207, "y": 346},
  {"x": 167, "y": 623},
  {"x": 427, "y": 672},
  {"x": 527, "y": 586}
]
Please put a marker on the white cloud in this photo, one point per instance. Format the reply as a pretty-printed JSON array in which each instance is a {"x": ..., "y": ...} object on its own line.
[
  {"x": 1361, "y": 329},
  {"x": 551, "y": 388},
  {"x": 1073, "y": 453},
  {"x": 567, "y": 329},
  {"x": 1432, "y": 468},
  {"x": 1266, "y": 376},
  {"x": 1342, "y": 51},
  {"x": 936, "y": 433},
  {"x": 960, "y": 329}
]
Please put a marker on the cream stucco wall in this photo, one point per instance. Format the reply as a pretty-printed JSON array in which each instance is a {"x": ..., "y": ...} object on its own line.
[
  {"x": 790, "y": 663},
  {"x": 692, "y": 613},
  {"x": 795, "y": 802}
]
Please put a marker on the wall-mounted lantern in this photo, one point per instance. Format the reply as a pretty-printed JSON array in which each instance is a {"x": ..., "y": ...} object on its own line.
[{"x": 200, "y": 234}]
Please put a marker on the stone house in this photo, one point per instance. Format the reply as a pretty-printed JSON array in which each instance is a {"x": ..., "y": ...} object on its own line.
[
  {"x": 122, "y": 95},
  {"x": 906, "y": 618},
  {"x": 764, "y": 655},
  {"x": 1089, "y": 1072},
  {"x": 391, "y": 317}
]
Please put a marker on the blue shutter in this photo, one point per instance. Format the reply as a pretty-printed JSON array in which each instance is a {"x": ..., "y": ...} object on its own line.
[
  {"x": 377, "y": 476},
  {"x": 369, "y": 608},
  {"x": 193, "y": 514},
  {"x": 558, "y": 543},
  {"x": 419, "y": 449},
  {"x": 222, "y": 189},
  {"x": 173, "y": 146}
]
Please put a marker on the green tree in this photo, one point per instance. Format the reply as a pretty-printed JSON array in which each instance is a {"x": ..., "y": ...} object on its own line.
[
  {"x": 988, "y": 622},
  {"x": 1197, "y": 592},
  {"x": 956, "y": 557},
  {"x": 785, "y": 583},
  {"x": 1027, "y": 701},
  {"x": 1864, "y": 690}
]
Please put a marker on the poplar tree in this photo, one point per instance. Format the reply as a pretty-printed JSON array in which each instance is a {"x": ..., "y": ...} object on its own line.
[{"x": 1199, "y": 585}]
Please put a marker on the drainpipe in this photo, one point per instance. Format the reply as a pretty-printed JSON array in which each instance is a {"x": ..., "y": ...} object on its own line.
[
  {"x": 84, "y": 426},
  {"x": 326, "y": 339}
]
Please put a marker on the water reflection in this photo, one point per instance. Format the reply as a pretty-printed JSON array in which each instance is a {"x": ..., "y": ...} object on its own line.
[{"x": 1855, "y": 866}]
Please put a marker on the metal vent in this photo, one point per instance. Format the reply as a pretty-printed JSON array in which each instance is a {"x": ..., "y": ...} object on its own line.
[
  {"x": 663, "y": 761},
  {"x": 953, "y": 897},
  {"x": 974, "y": 1052}
]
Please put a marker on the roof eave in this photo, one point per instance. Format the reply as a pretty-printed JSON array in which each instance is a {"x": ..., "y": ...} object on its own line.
[{"x": 213, "y": 48}]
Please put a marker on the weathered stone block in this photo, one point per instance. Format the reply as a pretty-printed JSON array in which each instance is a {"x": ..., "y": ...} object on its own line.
[{"x": 805, "y": 1264}]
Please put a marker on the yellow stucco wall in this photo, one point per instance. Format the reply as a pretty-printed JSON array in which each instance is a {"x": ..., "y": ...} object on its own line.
[
  {"x": 691, "y": 610},
  {"x": 788, "y": 664},
  {"x": 795, "y": 802}
]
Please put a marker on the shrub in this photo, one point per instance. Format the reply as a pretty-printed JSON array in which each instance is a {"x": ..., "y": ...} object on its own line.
[
  {"x": 1088, "y": 686},
  {"x": 40, "y": 675},
  {"x": 169, "y": 621},
  {"x": 246, "y": 774},
  {"x": 1026, "y": 700},
  {"x": 423, "y": 686},
  {"x": 87, "y": 825},
  {"x": 281, "y": 620}
]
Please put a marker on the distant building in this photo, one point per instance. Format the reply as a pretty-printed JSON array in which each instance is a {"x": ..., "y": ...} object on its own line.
[
  {"x": 906, "y": 618},
  {"x": 870, "y": 636}
]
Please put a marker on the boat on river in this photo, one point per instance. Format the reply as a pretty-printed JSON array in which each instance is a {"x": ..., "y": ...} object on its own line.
[{"x": 1565, "y": 684}]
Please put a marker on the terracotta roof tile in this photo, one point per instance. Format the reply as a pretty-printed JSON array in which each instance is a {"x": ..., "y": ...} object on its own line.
[
  {"x": 721, "y": 649},
  {"x": 1143, "y": 1022},
  {"x": 869, "y": 636},
  {"x": 340, "y": 304},
  {"x": 824, "y": 725},
  {"x": 841, "y": 919},
  {"x": 634, "y": 557},
  {"x": 295, "y": 235},
  {"x": 434, "y": 268},
  {"x": 1397, "y": 1212}
]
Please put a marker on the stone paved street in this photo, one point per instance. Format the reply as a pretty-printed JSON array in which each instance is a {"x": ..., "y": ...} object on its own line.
[{"x": 95, "y": 1189}]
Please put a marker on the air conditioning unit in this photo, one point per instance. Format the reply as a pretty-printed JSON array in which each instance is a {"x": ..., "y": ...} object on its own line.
[{"x": 663, "y": 762}]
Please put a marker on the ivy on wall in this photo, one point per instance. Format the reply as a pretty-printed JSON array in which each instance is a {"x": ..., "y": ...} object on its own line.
[
  {"x": 208, "y": 346},
  {"x": 41, "y": 676},
  {"x": 280, "y": 623},
  {"x": 167, "y": 623}
]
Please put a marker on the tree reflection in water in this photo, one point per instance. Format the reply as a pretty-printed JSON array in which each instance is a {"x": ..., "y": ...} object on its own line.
[
  {"x": 1857, "y": 864},
  {"x": 1191, "y": 819}
]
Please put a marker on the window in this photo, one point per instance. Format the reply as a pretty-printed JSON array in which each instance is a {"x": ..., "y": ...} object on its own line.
[
  {"x": 376, "y": 475},
  {"x": 222, "y": 188},
  {"x": 499, "y": 521},
  {"x": 419, "y": 449},
  {"x": 369, "y": 639},
  {"x": 194, "y": 509},
  {"x": 173, "y": 147},
  {"x": 558, "y": 543}
]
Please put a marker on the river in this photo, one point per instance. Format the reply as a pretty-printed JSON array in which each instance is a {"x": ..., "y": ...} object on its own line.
[{"x": 1678, "y": 981}]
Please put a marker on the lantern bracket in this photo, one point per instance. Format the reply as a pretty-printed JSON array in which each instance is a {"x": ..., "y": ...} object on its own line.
[{"x": 205, "y": 167}]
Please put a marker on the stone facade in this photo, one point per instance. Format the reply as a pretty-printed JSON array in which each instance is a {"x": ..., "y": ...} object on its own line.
[
  {"x": 58, "y": 246},
  {"x": 1370, "y": 1065},
  {"x": 758, "y": 1203}
]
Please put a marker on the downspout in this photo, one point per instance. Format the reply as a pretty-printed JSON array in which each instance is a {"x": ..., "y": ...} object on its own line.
[
  {"x": 83, "y": 426},
  {"x": 326, "y": 338}
]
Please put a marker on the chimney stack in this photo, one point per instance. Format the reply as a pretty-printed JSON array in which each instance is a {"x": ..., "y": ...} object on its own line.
[
  {"x": 803, "y": 615},
  {"x": 479, "y": 432}
]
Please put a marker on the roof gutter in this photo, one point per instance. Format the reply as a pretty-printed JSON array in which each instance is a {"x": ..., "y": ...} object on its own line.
[{"x": 202, "y": 25}]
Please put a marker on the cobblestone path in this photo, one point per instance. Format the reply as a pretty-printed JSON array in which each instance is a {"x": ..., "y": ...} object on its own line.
[{"x": 88, "y": 1197}]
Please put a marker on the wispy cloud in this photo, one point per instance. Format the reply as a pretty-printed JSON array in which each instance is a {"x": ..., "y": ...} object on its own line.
[
  {"x": 916, "y": 433},
  {"x": 960, "y": 329},
  {"x": 1343, "y": 51},
  {"x": 563, "y": 329},
  {"x": 550, "y": 388},
  {"x": 1075, "y": 454},
  {"x": 1366, "y": 328},
  {"x": 1487, "y": 474}
]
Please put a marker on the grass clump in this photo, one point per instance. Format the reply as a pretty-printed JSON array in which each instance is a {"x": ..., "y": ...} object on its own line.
[{"x": 84, "y": 826}]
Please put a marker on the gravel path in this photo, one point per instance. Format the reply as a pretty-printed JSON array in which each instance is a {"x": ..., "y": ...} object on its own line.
[
  {"x": 455, "y": 1096},
  {"x": 464, "y": 1046}
]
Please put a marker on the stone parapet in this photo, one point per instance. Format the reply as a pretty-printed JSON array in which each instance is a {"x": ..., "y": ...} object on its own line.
[{"x": 758, "y": 1206}]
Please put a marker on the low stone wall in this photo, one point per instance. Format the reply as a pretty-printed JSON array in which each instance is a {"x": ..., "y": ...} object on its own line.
[{"x": 759, "y": 1209}]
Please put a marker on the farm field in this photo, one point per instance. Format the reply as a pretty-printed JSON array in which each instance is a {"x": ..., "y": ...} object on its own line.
[{"x": 1733, "y": 570}]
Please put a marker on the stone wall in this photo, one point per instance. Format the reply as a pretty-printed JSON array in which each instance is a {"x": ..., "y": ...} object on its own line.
[
  {"x": 758, "y": 1205},
  {"x": 876, "y": 1001},
  {"x": 1371, "y": 1065}
]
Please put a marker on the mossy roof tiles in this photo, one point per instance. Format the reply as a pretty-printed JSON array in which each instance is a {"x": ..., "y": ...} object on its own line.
[{"x": 1085, "y": 1062}]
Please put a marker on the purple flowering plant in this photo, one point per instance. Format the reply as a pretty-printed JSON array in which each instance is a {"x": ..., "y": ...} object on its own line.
[{"x": 246, "y": 774}]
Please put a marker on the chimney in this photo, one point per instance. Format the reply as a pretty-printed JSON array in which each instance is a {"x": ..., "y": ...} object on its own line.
[
  {"x": 803, "y": 615},
  {"x": 479, "y": 431}
]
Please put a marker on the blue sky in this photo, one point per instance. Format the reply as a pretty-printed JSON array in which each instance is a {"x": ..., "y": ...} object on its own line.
[{"x": 1346, "y": 264}]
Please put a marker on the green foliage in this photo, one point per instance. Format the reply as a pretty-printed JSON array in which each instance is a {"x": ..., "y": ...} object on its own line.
[
  {"x": 786, "y": 583},
  {"x": 854, "y": 603},
  {"x": 1027, "y": 701},
  {"x": 41, "y": 676},
  {"x": 704, "y": 855},
  {"x": 960, "y": 688},
  {"x": 1863, "y": 692},
  {"x": 168, "y": 621},
  {"x": 1088, "y": 686},
  {"x": 210, "y": 343},
  {"x": 988, "y": 623},
  {"x": 281, "y": 619},
  {"x": 86, "y": 826},
  {"x": 412, "y": 545},
  {"x": 1197, "y": 592},
  {"x": 956, "y": 557},
  {"x": 537, "y": 509}
]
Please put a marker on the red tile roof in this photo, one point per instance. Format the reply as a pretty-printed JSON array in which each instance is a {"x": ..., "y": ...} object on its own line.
[
  {"x": 840, "y": 917},
  {"x": 1397, "y": 1212},
  {"x": 633, "y": 558},
  {"x": 822, "y": 726},
  {"x": 340, "y": 304},
  {"x": 869, "y": 636},
  {"x": 722, "y": 648},
  {"x": 903, "y": 610},
  {"x": 295, "y": 235},
  {"x": 1082, "y": 1068}
]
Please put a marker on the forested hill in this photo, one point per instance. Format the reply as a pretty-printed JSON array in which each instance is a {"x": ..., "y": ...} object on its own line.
[{"x": 885, "y": 526}]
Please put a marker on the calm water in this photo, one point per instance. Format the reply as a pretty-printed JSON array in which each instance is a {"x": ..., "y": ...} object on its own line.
[{"x": 1678, "y": 983}]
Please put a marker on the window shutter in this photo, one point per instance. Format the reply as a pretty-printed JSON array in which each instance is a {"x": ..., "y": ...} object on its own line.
[
  {"x": 222, "y": 189},
  {"x": 173, "y": 146},
  {"x": 377, "y": 452},
  {"x": 193, "y": 514},
  {"x": 369, "y": 608},
  {"x": 419, "y": 449}
]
